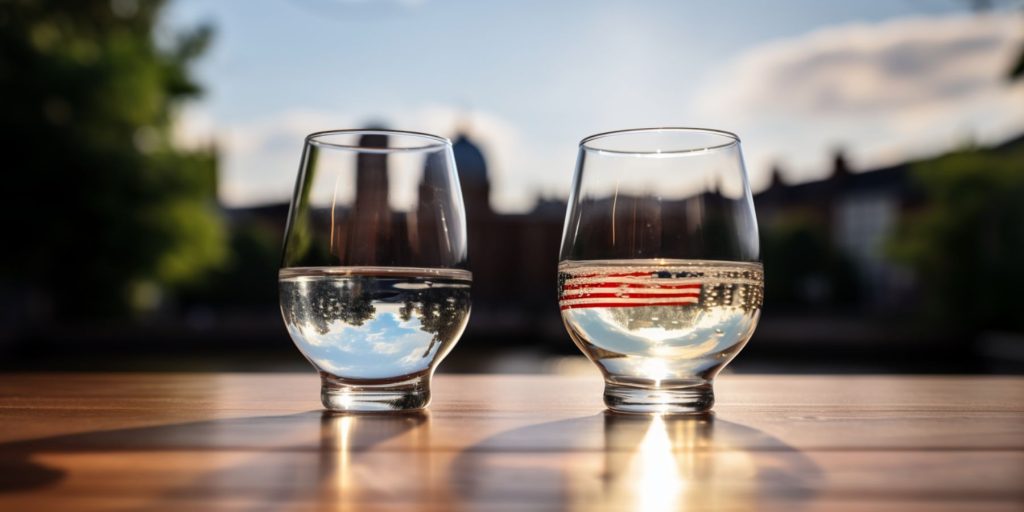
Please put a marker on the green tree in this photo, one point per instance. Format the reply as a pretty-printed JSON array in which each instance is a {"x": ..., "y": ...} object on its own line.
[
  {"x": 806, "y": 269},
  {"x": 967, "y": 245},
  {"x": 99, "y": 199},
  {"x": 441, "y": 312}
]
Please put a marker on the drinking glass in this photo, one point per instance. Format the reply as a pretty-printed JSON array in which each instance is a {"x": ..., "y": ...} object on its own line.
[
  {"x": 374, "y": 288},
  {"x": 659, "y": 277}
]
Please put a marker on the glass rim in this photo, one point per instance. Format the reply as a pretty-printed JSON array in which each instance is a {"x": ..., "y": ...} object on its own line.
[
  {"x": 732, "y": 140},
  {"x": 431, "y": 141}
]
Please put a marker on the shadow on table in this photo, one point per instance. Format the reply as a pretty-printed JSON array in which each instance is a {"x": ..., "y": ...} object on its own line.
[
  {"x": 268, "y": 459},
  {"x": 615, "y": 461},
  {"x": 339, "y": 460}
]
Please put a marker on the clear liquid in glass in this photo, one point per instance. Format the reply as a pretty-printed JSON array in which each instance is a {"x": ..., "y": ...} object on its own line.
[
  {"x": 375, "y": 325},
  {"x": 660, "y": 323}
]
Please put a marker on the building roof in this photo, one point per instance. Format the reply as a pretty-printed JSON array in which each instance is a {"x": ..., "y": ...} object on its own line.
[{"x": 470, "y": 160}]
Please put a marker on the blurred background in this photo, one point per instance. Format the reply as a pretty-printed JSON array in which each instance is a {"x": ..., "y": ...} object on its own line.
[{"x": 150, "y": 149}]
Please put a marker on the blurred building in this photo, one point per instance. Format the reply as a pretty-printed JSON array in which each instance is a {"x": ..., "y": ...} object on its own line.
[
  {"x": 858, "y": 212},
  {"x": 818, "y": 238},
  {"x": 514, "y": 257},
  {"x": 862, "y": 295}
]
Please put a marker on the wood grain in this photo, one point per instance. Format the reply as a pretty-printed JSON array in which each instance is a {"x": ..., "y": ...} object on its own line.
[{"x": 261, "y": 442}]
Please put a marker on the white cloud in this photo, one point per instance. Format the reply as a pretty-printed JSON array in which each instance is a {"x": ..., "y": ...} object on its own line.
[
  {"x": 502, "y": 143},
  {"x": 259, "y": 158},
  {"x": 886, "y": 91}
]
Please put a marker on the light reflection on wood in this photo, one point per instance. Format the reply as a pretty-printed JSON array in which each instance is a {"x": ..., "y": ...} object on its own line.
[{"x": 260, "y": 442}]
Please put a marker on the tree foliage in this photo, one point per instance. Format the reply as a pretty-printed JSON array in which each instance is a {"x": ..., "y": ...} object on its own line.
[
  {"x": 807, "y": 271},
  {"x": 99, "y": 198},
  {"x": 967, "y": 245}
]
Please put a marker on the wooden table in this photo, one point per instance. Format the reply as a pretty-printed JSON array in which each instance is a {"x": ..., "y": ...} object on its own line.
[{"x": 260, "y": 442}]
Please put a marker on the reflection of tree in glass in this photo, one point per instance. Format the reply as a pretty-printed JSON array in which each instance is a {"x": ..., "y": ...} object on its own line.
[
  {"x": 666, "y": 317},
  {"x": 327, "y": 302},
  {"x": 713, "y": 295},
  {"x": 441, "y": 312}
]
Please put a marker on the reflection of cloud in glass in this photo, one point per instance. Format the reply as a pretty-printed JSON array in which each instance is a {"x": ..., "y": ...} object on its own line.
[
  {"x": 383, "y": 346},
  {"x": 669, "y": 344},
  {"x": 595, "y": 324},
  {"x": 717, "y": 328},
  {"x": 368, "y": 328}
]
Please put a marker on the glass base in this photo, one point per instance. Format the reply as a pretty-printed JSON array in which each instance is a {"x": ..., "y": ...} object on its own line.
[
  {"x": 354, "y": 396},
  {"x": 692, "y": 399}
]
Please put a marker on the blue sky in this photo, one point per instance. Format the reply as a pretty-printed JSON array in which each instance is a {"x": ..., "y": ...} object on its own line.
[
  {"x": 383, "y": 346},
  {"x": 887, "y": 79}
]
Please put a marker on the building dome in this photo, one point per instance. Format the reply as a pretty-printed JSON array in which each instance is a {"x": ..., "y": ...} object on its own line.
[{"x": 470, "y": 161}]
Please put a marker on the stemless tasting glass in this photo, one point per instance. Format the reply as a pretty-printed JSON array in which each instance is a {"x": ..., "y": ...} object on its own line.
[
  {"x": 659, "y": 277},
  {"x": 374, "y": 290}
]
